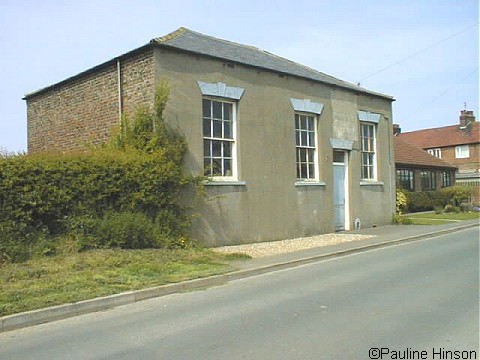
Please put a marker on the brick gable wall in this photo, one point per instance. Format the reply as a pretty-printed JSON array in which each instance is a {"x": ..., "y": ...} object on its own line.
[{"x": 85, "y": 110}]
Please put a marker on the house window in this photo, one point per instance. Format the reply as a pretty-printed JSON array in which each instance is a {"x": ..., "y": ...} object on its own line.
[
  {"x": 306, "y": 146},
  {"x": 405, "y": 179},
  {"x": 435, "y": 152},
  {"x": 219, "y": 138},
  {"x": 367, "y": 132},
  {"x": 462, "y": 151},
  {"x": 447, "y": 178},
  {"x": 428, "y": 180}
]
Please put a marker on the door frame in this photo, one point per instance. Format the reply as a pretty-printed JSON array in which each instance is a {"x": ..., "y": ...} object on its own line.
[{"x": 346, "y": 188}]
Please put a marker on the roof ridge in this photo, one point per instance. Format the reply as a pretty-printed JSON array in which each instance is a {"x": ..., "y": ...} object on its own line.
[
  {"x": 170, "y": 36},
  {"x": 428, "y": 129}
]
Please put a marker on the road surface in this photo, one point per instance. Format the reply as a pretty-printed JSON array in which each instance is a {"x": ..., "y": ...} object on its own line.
[{"x": 418, "y": 300}]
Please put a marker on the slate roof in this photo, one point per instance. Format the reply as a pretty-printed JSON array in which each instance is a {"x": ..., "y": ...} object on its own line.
[
  {"x": 191, "y": 41},
  {"x": 408, "y": 154},
  {"x": 443, "y": 136}
]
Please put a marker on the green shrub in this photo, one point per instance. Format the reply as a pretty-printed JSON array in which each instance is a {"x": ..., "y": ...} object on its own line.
[
  {"x": 134, "y": 180},
  {"x": 401, "y": 201},
  {"x": 425, "y": 200},
  {"x": 125, "y": 230},
  {"x": 12, "y": 247},
  {"x": 458, "y": 194}
]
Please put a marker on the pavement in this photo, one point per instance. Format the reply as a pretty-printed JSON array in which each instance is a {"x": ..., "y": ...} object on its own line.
[{"x": 386, "y": 235}]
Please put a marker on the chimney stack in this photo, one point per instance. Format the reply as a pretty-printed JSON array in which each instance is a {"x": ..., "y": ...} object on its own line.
[
  {"x": 466, "y": 117},
  {"x": 396, "y": 129}
]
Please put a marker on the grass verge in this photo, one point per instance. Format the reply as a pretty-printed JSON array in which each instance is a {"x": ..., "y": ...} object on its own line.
[
  {"x": 67, "y": 278},
  {"x": 438, "y": 219}
]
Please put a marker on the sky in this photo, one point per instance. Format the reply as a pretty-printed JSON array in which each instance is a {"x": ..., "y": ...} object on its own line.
[{"x": 424, "y": 53}]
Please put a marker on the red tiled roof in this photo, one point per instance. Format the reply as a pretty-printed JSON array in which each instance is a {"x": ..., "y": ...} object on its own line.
[
  {"x": 443, "y": 136},
  {"x": 408, "y": 154}
]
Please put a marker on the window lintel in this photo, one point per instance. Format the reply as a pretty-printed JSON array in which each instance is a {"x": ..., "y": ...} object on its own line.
[
  {"x": 305, "y": 105},
  {"x": 368, "y": 116},
  {"x": 220, "y": 90}
]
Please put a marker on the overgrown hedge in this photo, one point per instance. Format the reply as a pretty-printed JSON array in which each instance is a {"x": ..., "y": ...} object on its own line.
[
  {"x": 431, "y": 200},
  {"x": 123, "y": 195}
]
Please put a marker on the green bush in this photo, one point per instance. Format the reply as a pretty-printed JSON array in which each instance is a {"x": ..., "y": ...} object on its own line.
[
  {"x": 458, "y": 194},
  {"x": 425, "y": 200},
  {"x": 134, "y": 180},
  {"x": 125, "y": 230}
]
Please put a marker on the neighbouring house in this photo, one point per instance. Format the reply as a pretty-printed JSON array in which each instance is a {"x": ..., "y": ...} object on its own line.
[
  {"x": 417, "y": 170},
  {"x": 458, "y": 145},
  {"x": 290, "y": 151}
]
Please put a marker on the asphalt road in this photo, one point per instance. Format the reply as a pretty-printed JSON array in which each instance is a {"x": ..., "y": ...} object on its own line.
[{"x": 418, "y": 300}]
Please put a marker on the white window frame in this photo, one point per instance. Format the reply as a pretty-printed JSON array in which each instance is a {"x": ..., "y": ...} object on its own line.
[
  {"x": 437, "y": 152},
  {"x": 462, "y": 151},
  {"x": 371, "y": 175},
  {"x": 299, "y": 146},
  {"x": 212, "y": 138}
]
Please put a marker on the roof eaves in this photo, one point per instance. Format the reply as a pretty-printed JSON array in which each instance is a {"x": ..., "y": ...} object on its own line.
[
  {"x": 346, "y": 87},
  {"x": 423, "y": 166}
]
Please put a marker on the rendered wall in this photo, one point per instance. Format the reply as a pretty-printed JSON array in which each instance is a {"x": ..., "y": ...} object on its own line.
[{"x": 269, "y": 205}]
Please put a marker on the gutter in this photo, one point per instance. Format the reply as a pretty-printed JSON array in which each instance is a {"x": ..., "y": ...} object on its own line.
[{"x": 119, "y": 89}]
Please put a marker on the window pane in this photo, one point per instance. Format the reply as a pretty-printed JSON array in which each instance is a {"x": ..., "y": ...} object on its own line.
[
  {"x": 227, "y": 129},
  {"x": 338, "y": 156},
  {"x": 297, "y": 121},
  {"x": 370, "y": 144},
  {"x": 311, "y": 138},
  {"x": 207, "y": 108},
  {"x": 303, "y": 138},
  {"x": 227, "y": 167},
  {"x": 365, "y": 144},
  {"x": 365, "y": 159},
  {"x": 207, "y": 130},
  {"x": 303, "y": 171},
  {"x": 217, "y": 167},
  {"x": 227, "y": 149},
  {"x": 227, "y": 111},
  {"x": 303, "y": 122},
  {"x": 310, "y": 124},
  {"x": 217, "y": 110},
  {"x": 297, "y": 137},
  {"x": 303, "y": 155},
  {"x": 206, "y": 148},
  {"x": 217, "y": 129},
  {"x": 216, "y": 148},
  {"x": 310, "y": 154}
]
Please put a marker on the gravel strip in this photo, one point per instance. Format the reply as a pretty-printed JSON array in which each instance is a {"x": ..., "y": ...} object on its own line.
[{"x": 263, "y": 249}]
